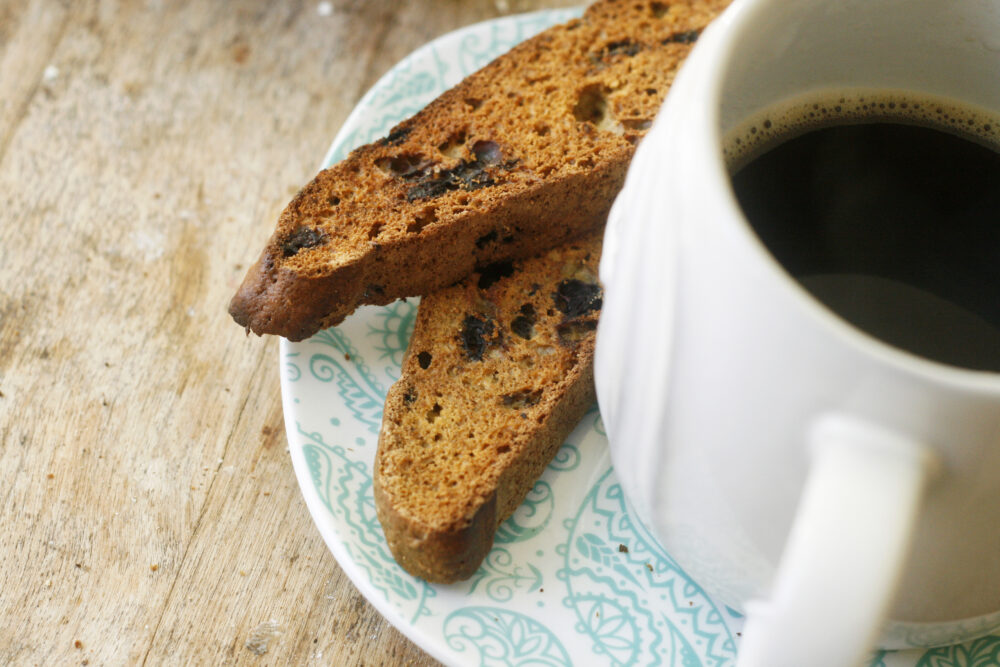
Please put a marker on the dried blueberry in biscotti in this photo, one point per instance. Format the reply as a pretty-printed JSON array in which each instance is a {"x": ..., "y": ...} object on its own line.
[{"x": 498, "y": 372}]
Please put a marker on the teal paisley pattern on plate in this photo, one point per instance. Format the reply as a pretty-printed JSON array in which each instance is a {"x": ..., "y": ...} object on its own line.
[
  {"x": 566, "y": 459},
  {"x": 391, "y": 332},
  {"x": 498, "y": 636},
  {"x": 632, "y": 600},
  {"x": 530, "y": 518},
  {"x": 983, "y": 652},
  {"x": 474, "y": 52},
  {"x": 345, "y": 486},
  {"x": 501, "y": 576},
  {"x": 292, "y": 370},
  {"x": 599, "y": 425},
  {"x": 557, "y": 588},
  {"x": 878, "y": 660},
  {"x": 360, "y": 391}
]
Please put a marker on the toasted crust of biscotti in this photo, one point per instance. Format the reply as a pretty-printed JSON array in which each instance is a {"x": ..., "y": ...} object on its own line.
[
  {"x": 495, "y": 378},
  {"x": 521, "y": 156}
]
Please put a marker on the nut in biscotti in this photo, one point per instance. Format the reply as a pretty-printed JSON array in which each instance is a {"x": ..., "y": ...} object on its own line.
[{"x": 522, "y": 156}]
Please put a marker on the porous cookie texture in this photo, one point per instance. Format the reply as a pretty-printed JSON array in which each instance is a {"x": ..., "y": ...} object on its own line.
[
  {"x": 498, "y": 372},
  {"x": 521, "y": 156}
]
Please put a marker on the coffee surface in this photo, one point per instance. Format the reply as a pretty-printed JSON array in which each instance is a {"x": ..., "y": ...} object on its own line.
[{"x": 887, "y": 209}]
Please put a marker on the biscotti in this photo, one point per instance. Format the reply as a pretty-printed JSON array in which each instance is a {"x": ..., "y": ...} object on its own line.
[
  {"x": 498, "y": 372},
  {"x": 521, "y": 156}
]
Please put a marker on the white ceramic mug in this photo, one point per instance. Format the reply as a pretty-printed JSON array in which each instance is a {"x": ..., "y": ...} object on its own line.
[{"x": 843, "y": 493}]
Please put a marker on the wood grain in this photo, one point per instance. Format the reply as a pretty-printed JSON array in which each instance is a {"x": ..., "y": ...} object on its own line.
[{"x": 150, "y": 512}]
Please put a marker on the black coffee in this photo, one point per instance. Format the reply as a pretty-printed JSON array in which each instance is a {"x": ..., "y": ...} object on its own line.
[{"x": 888, "y": 211}]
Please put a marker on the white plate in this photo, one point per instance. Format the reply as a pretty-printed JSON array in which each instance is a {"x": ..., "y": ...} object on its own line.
[{"x": 572, "y": 578}]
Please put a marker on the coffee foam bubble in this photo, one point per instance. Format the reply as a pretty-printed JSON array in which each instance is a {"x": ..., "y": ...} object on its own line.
[{"x": 816, "y": 110}]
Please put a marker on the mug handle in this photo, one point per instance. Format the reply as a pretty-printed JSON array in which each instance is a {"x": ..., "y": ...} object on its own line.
[{"x": 843, "y": 559}]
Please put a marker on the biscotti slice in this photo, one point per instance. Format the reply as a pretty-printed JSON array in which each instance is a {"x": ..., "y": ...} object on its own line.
[
  {"x": 498, "y": 372},
  {"x": 521, "y": 156}
]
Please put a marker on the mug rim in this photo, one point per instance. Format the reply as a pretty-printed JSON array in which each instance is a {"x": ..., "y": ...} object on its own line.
[{"x": 726, "y": 30}]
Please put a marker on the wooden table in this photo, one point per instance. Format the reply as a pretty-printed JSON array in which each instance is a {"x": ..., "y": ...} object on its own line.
[{"x": 149, "y": 509}]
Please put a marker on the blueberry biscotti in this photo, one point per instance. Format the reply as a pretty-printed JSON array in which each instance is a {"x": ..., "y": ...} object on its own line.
[
  {"x": 498, "y": 372},
  {"x": 521, "y": 156}
]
